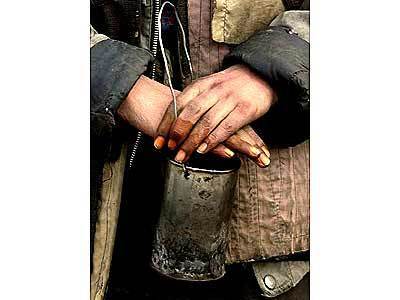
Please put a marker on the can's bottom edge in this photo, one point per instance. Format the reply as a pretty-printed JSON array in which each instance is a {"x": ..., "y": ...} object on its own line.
[{"x": 186, "y": 278}]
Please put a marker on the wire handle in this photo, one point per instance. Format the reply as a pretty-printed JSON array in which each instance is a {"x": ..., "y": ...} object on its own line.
[
  {"x": 166, "y": 62},
  {"x": 163, "y": 50}
]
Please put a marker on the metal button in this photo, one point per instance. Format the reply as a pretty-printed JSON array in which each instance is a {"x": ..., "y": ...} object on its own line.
[{"x": 269, "y": 282}]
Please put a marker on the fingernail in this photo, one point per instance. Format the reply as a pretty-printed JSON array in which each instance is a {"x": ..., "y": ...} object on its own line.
[
  {"x": 264, "y": 160},
  {"x": 159, "y": 142},
  {"x": 229, "y": 152},
  {"x": 171, "y": 144},
  {"x": 255, "y": 151},
  {"x": 180, "y": 156},
  {"x": 267, "y": 153},
  {"x": 202, "y": 148}
]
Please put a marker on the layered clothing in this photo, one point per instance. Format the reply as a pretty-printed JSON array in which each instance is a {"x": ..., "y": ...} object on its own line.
[{"x": 270, "y": 219}]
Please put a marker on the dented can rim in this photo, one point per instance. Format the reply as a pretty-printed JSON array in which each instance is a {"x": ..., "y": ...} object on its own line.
[{"x": 210, "y": 171}]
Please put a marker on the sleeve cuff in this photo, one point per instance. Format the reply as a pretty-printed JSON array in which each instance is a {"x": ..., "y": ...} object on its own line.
[
  {"x": 114, "y": 68},
  {"x": 281, "y": 57}
]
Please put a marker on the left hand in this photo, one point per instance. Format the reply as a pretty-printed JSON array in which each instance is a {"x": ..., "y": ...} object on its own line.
[{"x": 217, "y": 106}]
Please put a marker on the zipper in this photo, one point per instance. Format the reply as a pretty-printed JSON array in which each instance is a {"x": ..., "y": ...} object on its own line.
[
  {"x": 154, "y": 42},
  {"x": 154, "y": 47}
]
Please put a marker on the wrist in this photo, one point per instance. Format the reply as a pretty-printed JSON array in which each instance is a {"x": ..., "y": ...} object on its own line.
[{"x": 145, "y": 105}]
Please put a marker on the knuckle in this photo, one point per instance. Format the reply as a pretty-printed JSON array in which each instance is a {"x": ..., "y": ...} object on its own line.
[
  {"x": 228, "y": 127},
  {"x": 245, "y": 108},
  {"x": 176, "y": 135},
  {"x": 212, "y": 138},
  {"x": 177, "y": 132},
  {"x": 206, "y": 123},
  {"x": 220, "y": 90},
  {"x": 193, "y": 108}
]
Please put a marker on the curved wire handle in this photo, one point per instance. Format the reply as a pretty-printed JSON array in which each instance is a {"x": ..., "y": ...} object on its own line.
[
  {"x": 163, "y": 50},
  {"x": 165, "y": 58}
]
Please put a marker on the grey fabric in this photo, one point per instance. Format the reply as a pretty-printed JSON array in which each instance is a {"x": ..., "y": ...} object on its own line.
[
  {"x": 281, "y": 57},
  {"x": 297, "y": 20},
  {"x": 114, "y": 68},
  {"x": 276, "y": 278}
]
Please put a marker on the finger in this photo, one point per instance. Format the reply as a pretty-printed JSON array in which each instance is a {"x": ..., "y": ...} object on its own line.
[
  {"x": 164, "y": 126},
  {"x": 190, "y": 115},
  {"x": 248, "y": 135},
  {"x": 260, "y": 143},
  {"x": 226, "y": 128},
  {"x": 203, "y": 128},
  {"x": 236, "y": 143},
  {"x": 223, "y": 152},
  {"x": 167, "y": 121}
]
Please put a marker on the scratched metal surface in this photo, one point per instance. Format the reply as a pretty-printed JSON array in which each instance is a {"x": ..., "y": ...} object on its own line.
[{"x": 192, "y": 233}]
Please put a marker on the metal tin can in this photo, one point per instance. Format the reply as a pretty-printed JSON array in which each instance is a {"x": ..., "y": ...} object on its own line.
[{"x": 192, "y": 232}]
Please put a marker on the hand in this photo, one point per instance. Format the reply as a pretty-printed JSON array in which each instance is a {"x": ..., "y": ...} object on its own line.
[
  {"x": 215, "y": 108},
  {"x": 145, "y": 105},
  {"x": 148, "y": 101}
]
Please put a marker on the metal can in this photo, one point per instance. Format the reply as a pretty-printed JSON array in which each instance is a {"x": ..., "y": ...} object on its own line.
[{"x": 192, "y": 232}]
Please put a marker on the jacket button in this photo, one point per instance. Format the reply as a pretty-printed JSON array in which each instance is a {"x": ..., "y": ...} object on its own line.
[{"x": 270, "y": 282}]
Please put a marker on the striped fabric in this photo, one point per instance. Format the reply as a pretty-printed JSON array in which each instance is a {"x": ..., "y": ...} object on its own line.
[
  {"x": 271, "y": 207},
  {"x": 206, "y": 54}
]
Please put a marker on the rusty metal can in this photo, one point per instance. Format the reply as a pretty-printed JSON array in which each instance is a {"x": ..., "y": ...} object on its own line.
[{"x": 192, "y": 232}]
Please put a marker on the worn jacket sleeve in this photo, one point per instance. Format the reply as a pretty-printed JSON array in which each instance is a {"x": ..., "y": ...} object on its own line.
[
  {"x": 281, "y": 57},
  {"x": 114, "y": 66}
]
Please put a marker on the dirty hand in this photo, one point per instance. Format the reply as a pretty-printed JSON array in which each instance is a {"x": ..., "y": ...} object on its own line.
[
  {"x": 215, "y": 108},
  {"x": 245, "y": 140},
  {"x": 148, "y": 100}
]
